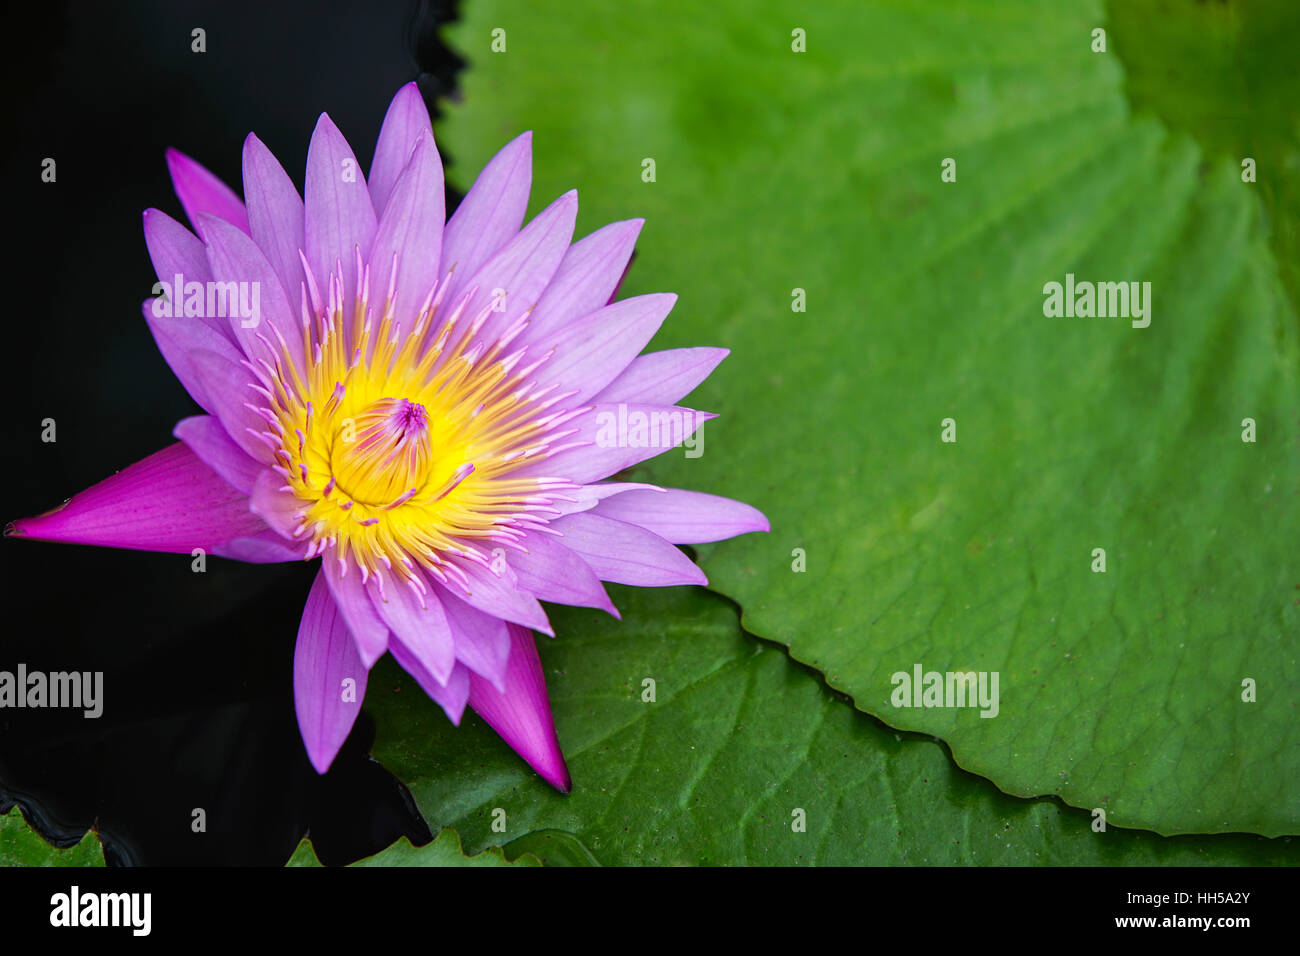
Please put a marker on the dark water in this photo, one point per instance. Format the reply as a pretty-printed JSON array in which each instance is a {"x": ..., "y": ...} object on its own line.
[{"x": 198, "y": 705}]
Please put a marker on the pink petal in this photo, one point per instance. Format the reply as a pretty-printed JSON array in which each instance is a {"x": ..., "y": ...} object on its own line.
[
  {"x": 662, "y": 378},
  {"x": 329, "y": 679},
  {"x": 590, "y": 352},
  {"x": 451, "y": 696},
  {"x": 410, "y": 232},
  {"x": 207, "y": 438},
  {"x": 490, "y": 214},
  {"x": 554, "y": 573},
  {"x": 603, "y": 439},
  {"x": 587, "y": 277},
  {"x": 626, "y": 554},
  {"x": 202, "y": 192},
  {"x": 170, "y": 501},
  {"x": 340, "y": 219},
  {"x": 405, "y": 122},
  {"x": 419, "y": 622},
  {"x": 684, "y": 517},
  {"x": 368, "y": 629},
  {"x": 275, "y": 215},
  {"x": 235, "y": 257},
  {"x": 521, "y": 713}
]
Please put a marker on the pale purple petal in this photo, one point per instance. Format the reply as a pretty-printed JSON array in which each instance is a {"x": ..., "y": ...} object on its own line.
[
  {"x": 662, "y": 378},
  {"x": 170, "y": 501},
  {"x": 175, "y": 251},
  {"x": 275, "y": 215},
  {"x": 368, "y": 629},
  {"x": 227, "y": 386},
  {"x": 279, "y": 508},
  {"x": 451, "y": 696},
  {"x": 176, "y": 338},
  {"x": 200, "y": 192},
  {"x": 684, "y": 517},
  {"x": 522, "y": 713},
  {"x": 482, "y": 640},
  {"x": 500, "y": 596},
  {"x": 626, "y": 554},
  {"x": 405, "y": 122},
  {"x": 554, "y": 573},
  {"x": 609, "y": 438},
  {"x": 208, "y": 438},
  {"x": 340, "y": 219},
  {"x": 263, "y": 310},
  {"x": 590, "y": 352},
  {"x": 329, "y": 679},
  {"x": 588, "y": 496},
  {"x": 418, "y": 621},
  {"x": 265, "y": 547},
  {"x": 410, "y": 233},
  {"x": 588, "y": 276},
  {"x": 490, "y": 214},
  {"x": 511, "y": 281}
]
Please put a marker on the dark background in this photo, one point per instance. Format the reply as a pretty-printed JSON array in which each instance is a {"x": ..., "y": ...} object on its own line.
[{"x": 197, "y": 668}]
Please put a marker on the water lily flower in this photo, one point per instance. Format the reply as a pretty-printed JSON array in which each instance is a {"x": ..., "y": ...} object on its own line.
[{"x": 432, "y": 407}]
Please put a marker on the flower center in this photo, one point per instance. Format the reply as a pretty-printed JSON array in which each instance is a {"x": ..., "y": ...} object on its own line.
[{"x": 384, "y": 453}]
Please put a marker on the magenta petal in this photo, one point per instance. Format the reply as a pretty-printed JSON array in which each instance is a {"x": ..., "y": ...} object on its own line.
[
  {"x": 490, "y": 214},
  {"x": 207, "y": 438},
  {"x": 605, "y": 440},
  {"x": 368, "y": 629},
  {"x": 236, "y": 258},
  {"x": 410, "y": 233},
  {"x": 662, "y": 378},
  {"x": 451, "y": 696},
  {"x": 418, "y": 621},
  {"x": 521, "y": 713},
  {"x": 626, "y": 554},
  {"x": 590, "y": 352},
  {"x": 588, "y": 275},
  {"x": 340, "y": 220},
  {"x": 329, "y": 679},
  {"x": 554, "y": 573},
  {"x": 275, "y": 214},
  {"x": 405, "y": 122},
  {"x": 482, "y": 640},
  {"x": 170, "y": 501},
  {"x": 202, "y": 192},
  {"x": 684, "y": 517}
]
